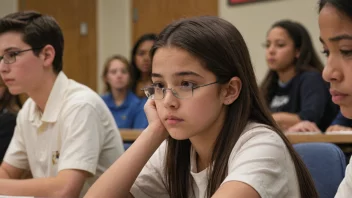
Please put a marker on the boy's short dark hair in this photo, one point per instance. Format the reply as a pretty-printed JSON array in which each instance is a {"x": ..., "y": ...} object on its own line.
[{"x": 38, "y": 31}]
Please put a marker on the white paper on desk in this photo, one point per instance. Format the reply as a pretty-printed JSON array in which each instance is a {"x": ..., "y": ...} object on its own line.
[
  {"x": 339, "y": 133},
  {"x": 6, "y": 196},
  {"x": 303, "y": 133}
]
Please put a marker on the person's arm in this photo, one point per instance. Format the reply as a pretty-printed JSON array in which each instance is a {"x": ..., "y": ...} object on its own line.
[
  {"x": 286, "y": 120},
  {"x": 236, "y": 189},
  {"x": 81, "y": 138},
  {"x": 119, "y": 178},
  {"x": 10, "y": 172},
  {"x": 338, "y": 128},
  {"x": 304, "y": 126},
  {"x": 67, "y": 183}
]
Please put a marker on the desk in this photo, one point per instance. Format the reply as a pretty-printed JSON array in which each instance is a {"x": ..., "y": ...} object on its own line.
[
  {"x": 130, "y": 135},
  {"x": 332, "y": 138}
]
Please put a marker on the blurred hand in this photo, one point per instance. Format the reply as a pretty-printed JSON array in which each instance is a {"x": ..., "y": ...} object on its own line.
[
  {"x": 338, "y": 128},
  {"x": 304, "y": 126}
]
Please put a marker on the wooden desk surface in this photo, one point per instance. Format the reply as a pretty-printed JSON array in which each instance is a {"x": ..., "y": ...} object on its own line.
[{"x": 129, "y": 135}]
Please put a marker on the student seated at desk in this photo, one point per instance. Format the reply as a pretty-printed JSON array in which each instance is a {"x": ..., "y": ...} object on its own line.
[
  {"x": 124, "y": 105},
  {"x": 340, "y": 123},
  {"x": 209, "y": 134},
  {"x": 335, "y": 23},
  {"x": 65, "y": 135},
  {"x": 294, "y": 88}
]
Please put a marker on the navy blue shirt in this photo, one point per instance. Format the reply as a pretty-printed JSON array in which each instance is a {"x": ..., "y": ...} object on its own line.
[
  {"x": 7, "y": 127},
  {"x": 130, "y": 114},
  {"x": 341, "y": 120},
  {"x": 306, "y": 95}
]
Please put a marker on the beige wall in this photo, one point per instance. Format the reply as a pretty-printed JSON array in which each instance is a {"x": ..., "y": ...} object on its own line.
[
  {"x": 7, "y": 6},
  {"x": 253, "y": 20},
  {"x": 114, "y": 32}
]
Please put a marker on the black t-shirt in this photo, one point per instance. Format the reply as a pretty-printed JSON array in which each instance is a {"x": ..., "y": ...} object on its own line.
[
  {"x": 7, "y": 127},
  {"x": 341, "y": 120},
  {"x": 307, "y": 95}
]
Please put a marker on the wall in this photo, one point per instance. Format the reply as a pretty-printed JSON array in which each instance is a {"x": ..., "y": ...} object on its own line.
[
  {"x": 7, "y": 7},
  {"x": 114, "y": 32}
]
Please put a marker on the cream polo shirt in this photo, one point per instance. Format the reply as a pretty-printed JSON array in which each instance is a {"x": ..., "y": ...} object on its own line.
[
  {"x": 259, "y": 159},
  {"x": 75, "y": 131},
  {"x": 345, "y": 188}
]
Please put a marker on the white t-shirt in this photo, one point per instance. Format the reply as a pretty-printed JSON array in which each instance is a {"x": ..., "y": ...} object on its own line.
[
  {"x": 259, "y": 159},
  {"x": 345, "y": 188},
  {"x": 75, "y": 131}
]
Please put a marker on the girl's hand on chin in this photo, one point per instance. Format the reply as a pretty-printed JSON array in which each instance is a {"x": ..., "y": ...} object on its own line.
[{"x": 154, "y": 121}]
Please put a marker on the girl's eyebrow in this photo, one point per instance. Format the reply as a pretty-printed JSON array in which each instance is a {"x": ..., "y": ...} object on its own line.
[
  {"x": 182, "y": 73},
  {"x": 338, "y": 38}
]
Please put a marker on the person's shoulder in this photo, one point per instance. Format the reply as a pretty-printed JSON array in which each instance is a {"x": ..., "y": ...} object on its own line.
[
  {"x": 108, "y": 99},
  {"x": 79, "y": 93},
  {"x": 133, "y": 98},
  {"x": 106, "y": 96},
  {"x": 158, "y": 158},
  {"x": 78, "y": 97},
  {"x": 256, "y": 132}
]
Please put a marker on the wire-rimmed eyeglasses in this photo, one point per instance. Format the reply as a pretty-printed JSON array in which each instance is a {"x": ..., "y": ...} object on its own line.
[
  {"x": 10, "y": 57},
  {"x": 181, "y": 92}
]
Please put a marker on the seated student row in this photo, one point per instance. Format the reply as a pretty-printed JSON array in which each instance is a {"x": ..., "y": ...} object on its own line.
[
  {"x": 294, "y": 89},
  {"x": 124, "y": 83},
  {"x": 235, "y": 93}
]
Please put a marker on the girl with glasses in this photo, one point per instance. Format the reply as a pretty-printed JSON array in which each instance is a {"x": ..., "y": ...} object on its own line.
[{"x": 209, "y": 132}]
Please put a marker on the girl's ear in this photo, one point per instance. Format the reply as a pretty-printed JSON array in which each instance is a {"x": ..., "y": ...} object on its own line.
[{"x": 232, "y": 90}]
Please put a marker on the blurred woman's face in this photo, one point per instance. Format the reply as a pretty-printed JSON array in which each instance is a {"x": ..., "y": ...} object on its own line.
[
  {"x": 118, "y": 76},
  {"x": 280, "y": 50},
  {"x": 142, "y": 58}
]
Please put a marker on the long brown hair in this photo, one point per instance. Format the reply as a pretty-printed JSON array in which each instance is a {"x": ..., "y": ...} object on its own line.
[
  {"x": 107, "y": 66},
  {"x": 308, "y": 59},
  {"x": 222, "y": 50}
]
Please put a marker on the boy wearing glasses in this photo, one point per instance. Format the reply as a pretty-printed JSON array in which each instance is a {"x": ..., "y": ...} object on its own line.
[{"x": 65, "y": 134}]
